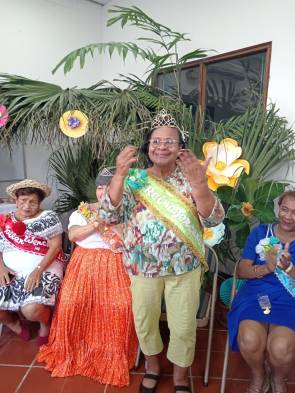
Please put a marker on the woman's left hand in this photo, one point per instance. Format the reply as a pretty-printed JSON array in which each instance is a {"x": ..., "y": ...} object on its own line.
[
  {"x": 191, "y": 167},
  {"x": 33, "y": 280},
  {"x": 285, "y": 258}
]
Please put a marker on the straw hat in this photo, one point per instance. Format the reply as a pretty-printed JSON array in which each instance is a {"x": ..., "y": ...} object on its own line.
[{"x": 26, "y": 184}]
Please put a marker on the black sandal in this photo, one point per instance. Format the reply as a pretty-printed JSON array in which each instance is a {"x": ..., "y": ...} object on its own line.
[
  {"x": 144, "y": 389},
  {"x": 182, "y": 388}
]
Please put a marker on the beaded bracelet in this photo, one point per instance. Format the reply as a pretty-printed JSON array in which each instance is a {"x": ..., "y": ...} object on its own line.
[
  {"x": 289, "y": 268},
  {"x": 255, "y": 267}
]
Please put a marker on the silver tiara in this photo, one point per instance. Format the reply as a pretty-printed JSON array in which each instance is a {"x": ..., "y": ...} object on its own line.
[
  {"x": 165, "y": 119},
  {"x": 104, "y": 176}
]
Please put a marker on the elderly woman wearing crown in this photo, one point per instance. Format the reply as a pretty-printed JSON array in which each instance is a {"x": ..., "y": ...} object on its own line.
[
  {"x": 163, "y": 209},
  {"x": 31, "y": 260}
]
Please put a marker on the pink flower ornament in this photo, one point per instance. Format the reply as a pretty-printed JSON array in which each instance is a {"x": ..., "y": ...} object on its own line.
[{"x": 4, "y": 117}]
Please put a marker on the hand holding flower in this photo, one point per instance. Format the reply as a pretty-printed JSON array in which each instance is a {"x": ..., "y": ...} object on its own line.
[
  {"x": 284, "y": 258},
  {"x": 271, "y": 257}
]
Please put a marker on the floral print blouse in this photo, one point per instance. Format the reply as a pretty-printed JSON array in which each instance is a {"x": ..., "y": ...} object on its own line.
[{"x": 151, "y": 249}]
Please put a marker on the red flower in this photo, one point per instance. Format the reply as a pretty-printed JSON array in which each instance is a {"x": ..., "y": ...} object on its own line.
[
  {"x": 18, "y": 227},
  {"x": 3, "y": 219}
]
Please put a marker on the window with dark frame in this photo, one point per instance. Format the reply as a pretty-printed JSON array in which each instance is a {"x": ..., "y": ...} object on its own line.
[{"x": 224, "y": 85}]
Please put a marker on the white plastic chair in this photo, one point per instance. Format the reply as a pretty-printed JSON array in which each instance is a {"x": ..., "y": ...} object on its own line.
[{"x": 226, "y": 350}]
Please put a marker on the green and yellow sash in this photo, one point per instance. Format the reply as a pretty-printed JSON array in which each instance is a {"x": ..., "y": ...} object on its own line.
[{"x": 174, "y": 210}]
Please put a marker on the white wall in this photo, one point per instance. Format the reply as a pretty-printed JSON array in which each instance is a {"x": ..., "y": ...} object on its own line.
[
  {"x": 223, "y": 26},
  {"x": 36, "y": 35}
]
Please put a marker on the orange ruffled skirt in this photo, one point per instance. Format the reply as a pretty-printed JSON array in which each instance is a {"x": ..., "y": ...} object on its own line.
[{"x": 92, "y": 332}]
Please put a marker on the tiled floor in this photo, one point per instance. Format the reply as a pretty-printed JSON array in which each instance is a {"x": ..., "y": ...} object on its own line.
[{"x": 20, "y": 373}]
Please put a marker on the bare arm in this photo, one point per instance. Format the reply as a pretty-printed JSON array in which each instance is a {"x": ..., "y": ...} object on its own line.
[
  {"x": 79, "y": 232},
  {"x": 55, "y": 246},
  {"x": 123, "y": 162},
  {"x": 204, "y": 198},
  {"x": 4, "y": 277},
  {"x": 247, "y": 268},
  {"x": 195, "y": 172}
]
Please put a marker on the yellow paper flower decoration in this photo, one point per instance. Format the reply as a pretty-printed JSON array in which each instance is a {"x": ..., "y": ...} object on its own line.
[
  {"x": 224, "y": 168},
  {"x": 73, "y": 123}
]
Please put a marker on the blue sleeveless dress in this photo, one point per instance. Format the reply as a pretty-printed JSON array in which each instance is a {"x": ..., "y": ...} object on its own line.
[{"x": 246, "y": 304}]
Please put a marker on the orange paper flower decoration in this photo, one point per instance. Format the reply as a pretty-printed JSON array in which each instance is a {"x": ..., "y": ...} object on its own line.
[
  {"x": 247, "y": 209},
  {"x": 224, "y": 168}
]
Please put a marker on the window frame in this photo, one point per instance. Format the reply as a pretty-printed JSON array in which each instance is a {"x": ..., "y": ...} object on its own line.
[{"x": 235, "y": 54}]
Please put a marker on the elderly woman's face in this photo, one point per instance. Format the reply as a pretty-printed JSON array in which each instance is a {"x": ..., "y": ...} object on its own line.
[
  {"x": 28, "y": 205},
  {"x": 164, "y": 146},
  {"x": 287, "y": 214},
  {"x": 100, "y": 191}
]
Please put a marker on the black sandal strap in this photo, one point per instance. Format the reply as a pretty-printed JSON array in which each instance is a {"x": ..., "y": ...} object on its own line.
[
  {"x": 155, "y": 377},
  {"x": 184, "y": 388}
]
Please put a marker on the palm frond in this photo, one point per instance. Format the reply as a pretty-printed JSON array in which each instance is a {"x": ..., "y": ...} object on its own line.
[
  {"x": 267, "y": 141},
  {"x": 161, "y": 37},
  {"x": 115, "y": 115},
  {"x": 122, "y": 49},
  {"x": 75, "y": 170}
]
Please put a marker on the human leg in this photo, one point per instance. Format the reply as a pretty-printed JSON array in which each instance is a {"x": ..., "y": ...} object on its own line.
[
  {"x": 281, "y": 354},
  {"x": 146, "y": 306},
  {"x": 10, "y": 320},
  {"x": 252, "y": 338},
  {"x": 38, "y": 313},
  {"x": 182, "y": 302}
]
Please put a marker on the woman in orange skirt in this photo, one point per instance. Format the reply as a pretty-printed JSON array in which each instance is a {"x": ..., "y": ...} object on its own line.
[{"x": 92, "y": 332}]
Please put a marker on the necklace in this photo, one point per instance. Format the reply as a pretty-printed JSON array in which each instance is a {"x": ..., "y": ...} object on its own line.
[{"x": 87, "y": 212}]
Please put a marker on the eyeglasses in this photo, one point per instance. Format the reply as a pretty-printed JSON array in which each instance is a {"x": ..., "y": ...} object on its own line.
[
  {"x": 28, "y": 203},
  {"x": 169, "y": 142}
]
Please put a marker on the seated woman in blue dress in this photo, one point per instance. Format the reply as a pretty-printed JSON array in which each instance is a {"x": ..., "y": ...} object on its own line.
[{"x": 261, "y": 322}]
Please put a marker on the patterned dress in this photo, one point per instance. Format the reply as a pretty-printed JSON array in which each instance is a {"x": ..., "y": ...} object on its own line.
[
  {"x": 151, "y": 249},
  {"x": 246, "y": 304},
  {"x": 13, "y": 296}
]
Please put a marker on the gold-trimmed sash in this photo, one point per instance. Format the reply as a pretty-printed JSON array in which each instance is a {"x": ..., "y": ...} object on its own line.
[{"x": 174, "y": 210}]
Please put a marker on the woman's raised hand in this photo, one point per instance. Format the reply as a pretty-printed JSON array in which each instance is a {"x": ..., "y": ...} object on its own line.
[
  {"x": 191, "y": 167},
  {"x": 125, "y": 159}
]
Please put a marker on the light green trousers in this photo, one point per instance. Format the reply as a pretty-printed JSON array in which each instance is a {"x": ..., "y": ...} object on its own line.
[{"x": 181, "y": 294}]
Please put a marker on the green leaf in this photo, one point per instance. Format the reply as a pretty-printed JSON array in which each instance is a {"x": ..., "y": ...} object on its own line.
[
  {"x": 235, "y": 226},
  {"x": 234, "y": 214},
  {"x": 268, "y": 191},
  {"x": 265, "y": 215},
  {"x": 225, "y": 194},
  {"x": 195, "y": 54},
  {"x": 250, "y": 185},
  {"x": 241, "y": 236}
]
